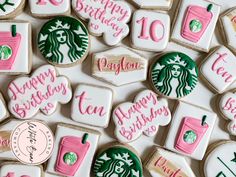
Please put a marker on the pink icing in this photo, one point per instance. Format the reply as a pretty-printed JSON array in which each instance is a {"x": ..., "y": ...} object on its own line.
[
  {"x": 10, "y": 174},
  {"x": 54, "y": 2},
  {"x": 195, "y": 13},
  {"x": 221, "y": 70},
  {"x": 75, "y": 145},
  {"x": 4, "y": 142},
  {"x": 190, "y": 124},
  {"x": 6, "y": 39},
  {"x": 230, "y": 106}
]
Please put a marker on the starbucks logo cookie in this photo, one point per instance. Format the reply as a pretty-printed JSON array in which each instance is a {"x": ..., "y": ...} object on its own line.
[
  {"x": 11, "y": 8},
  {"x": 117, "y": 160},
  {"x": 174, "y": 75},
  {"x": 64, "y": 41}
]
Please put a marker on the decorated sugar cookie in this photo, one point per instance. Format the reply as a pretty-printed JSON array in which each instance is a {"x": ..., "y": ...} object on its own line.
[
  {"x": 219, "y": 69},
  {"x": 48, "y": 8},
  {"x": 154, "y": 4},
  {"x": 165, "y": 163},
  {"x": 42, "y": 91},
  {"x": 190, "y": 130},
  {"x": 64, "y": 41},
  {"x": 74, "y": 151},
  {"x": 228, "y": 27},
  {"x": 144, "y": 115},
  {"x": 92, "y": 105},
  {"x": 15, "y": 47},
  {"x": 15, "y": 169},
  {"x": 227, "y": 108},
  {"x": 3, "y": 108},
  {"x": 220, "y": 160},
  {"x": 150, "y": 30},
  {"x": 112, "y": 21},
  {"x": 195, "y": 24},
  {"x": 117, "y": 160},
  {"x": 11, "y": 8},
  {"x": 119, "y": 66},
  {"x": 174, "y": 75}
]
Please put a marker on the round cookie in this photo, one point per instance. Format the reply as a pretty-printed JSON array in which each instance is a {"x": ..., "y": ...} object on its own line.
[
  {"x": 118, "y": 160},
  {"x": 220, "y": 160},
  {"x": 64, "y": 41},
  {"x": 11, "y": 8},
  {"x": 174, "y": 75}
]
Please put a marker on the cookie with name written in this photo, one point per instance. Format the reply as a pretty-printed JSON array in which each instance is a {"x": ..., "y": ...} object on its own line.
[
  {"x": 3, "y": 108},
  {"x": 11, "y": 8},
  {"x": 64, "y": 41},
  {"x": 144, "y": 115},
  {"x": 42, "y": 91},
  {"x": 218, "y": 69},
  {"x": 161, "y": 163},
  {"x": 107, "y": 18},
  {"x": 92, "y": 105},
  {"x": 118, "y": 160},
  {"x": 119, "y": 66},
  {"x": 174, "y": 75},
  {"x": 49, "y": 8},
  {"x": 154, "y": 4}
]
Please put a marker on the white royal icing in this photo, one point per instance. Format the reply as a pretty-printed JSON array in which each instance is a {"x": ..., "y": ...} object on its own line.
[
  {"x": 42, "y": 91},
  {"x": 119, "y": 66},
  {"x": 144, "y": 115},
  {"x": 9, "y": 6},
  {"x": 219, "y": 69},
  {"x": 150, "y": 30},
  {"x": 221, "y": 161},
  {"x": 154, "y": 4},
  {"x": 3, "y": 109},
  {"x": 92, "y": 105},
  {"x": 112, "y": 21}
]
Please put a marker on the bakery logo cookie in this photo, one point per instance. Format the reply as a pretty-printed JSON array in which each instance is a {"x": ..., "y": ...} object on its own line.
[
  {"x": 11, "y": 8},
  {"x": 73, "y": 152},
  {"x": 116, "y": 161},
  {"x": 150, "y": 30},
  {"x": 165, "y": 163},
  {"x": 64, "y": 41},
  {"x": 222, "y": 158},
  {"x": 144, "y": 115},
  {"x": 107, "y": 18},
  {"x": 195, "y": 23},
  {"x": 119, "y": 66},
  {"x": 154, "y": 4},
  {"x": 174, "y": 75},
  {"x": 42, "y": 91},
  {"x": 3, "y": 108},
  {"x": 38, "y": 142},
  {"x": 219, "y": 69},
  {"x": 228, "y": 27},
  {"x": 92, "y": 105},
  {"x": 227, "y": 107},
  {"x": 190, "y": 130},
  {"x": 48, "y": 8}
]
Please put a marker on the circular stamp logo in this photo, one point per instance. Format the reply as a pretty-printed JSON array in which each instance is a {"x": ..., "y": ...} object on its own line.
[{"x": 32, "y": 142}]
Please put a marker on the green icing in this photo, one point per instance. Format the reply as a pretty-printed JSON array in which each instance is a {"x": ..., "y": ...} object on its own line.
[
  {"x": 63, "y": 40},
  {"x": 5, "y": 52},
  {"x": 195, "y": 26},
  {"x": 5, "y": 3},
  {"x": 190, "y": 137},
  {"x": 70, "y": 158},
  {"x": 174, "y": 74},
  {"x": 117, "y": 161}
]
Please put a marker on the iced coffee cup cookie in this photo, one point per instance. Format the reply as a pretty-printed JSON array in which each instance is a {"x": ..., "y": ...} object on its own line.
[
  {"x": 64, "y": 41},
  {"x": 11, "y": 8},
  {"x": 173, "y": 75}
]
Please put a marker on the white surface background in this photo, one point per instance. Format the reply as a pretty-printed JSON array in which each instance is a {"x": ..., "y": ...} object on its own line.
[{"x": 81, "y": 73}]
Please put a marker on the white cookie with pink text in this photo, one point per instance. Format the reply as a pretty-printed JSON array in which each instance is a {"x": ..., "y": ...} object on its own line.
[
  {"x": 107, "y": 18},
  {"x": 92, "y": 105},
  {"x": 219, "y": 69},
  {"x": 154, "y": 4},
  {"x": 42, "y": 91},
  {"x": 144, "y": 115},
  {"x": 227, "y": 108}
]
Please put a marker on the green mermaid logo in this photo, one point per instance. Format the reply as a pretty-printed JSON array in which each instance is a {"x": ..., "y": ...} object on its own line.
[
  {"x": 174, "y": 75},
  {"x": 63, "y": 41}
]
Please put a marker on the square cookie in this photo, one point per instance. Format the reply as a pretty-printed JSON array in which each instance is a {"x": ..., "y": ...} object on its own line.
[
  {"x": 190, "y": 130},
  {"x": 15, "y": 47},
  {"x": 74, "y": 151},
  {"x": 195, "y": 24},
  {"x": 92, "y": 105},
  {"x": 49, "y": 8},
  {"x": 154, "y": 4},
  {"x": 3, "y": 108},
  {"x": 150, "y": 30},
  {"x": 218, "y": 69}
]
